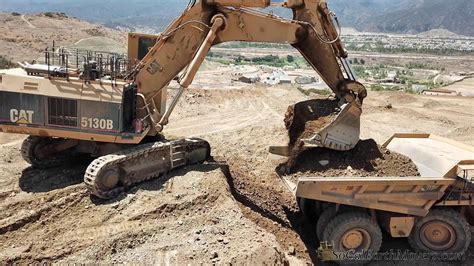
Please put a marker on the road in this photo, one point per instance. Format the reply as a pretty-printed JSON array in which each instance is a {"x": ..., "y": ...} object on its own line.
[{"x": 27, "y": 22}]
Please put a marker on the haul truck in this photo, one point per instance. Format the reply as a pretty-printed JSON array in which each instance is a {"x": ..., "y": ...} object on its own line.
[{"x": 434, "y": 210}]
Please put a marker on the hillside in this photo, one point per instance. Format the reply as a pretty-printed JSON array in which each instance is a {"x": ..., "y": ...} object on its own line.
[
  {"x": 127, "y": 14},
  {"x": 403, "y": 16},
  {"x": 453, "y": 15},
  {"x": 24, "y": 37}
]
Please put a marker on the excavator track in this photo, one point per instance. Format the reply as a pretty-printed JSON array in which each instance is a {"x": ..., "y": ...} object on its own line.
[
  {"x": 29, "y": 152},
  {"x": 109, "y": 175}
]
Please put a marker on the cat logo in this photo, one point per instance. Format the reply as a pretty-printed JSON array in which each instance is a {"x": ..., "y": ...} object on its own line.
[{"x": 21, "y": 116}]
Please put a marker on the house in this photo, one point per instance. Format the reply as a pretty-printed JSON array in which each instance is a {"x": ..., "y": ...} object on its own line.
[
  {"x": 249, "y": 78},
  {"x": 439, "y": 92}
]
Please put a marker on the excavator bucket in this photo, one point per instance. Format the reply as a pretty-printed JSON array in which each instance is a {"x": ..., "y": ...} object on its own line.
[
  {"x": 340, "y": 134},
  {"x": 323, "y": 123}
]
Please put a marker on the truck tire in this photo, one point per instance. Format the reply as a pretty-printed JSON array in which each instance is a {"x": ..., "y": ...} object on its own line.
[
  {"x": 442, "y": 230},
  {"x": 323, "y": 221},
  {"x": 311, "y": 209},
  {"x": 354, "y": 230}
]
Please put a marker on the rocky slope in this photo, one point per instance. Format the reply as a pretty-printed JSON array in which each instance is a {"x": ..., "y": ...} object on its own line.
[{"x": 24, "y": 37}]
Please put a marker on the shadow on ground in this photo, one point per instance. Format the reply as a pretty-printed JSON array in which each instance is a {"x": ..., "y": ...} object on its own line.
[
  {"x": 46, "y": 180},
  {"x": 156, "y": 184},
  {"x": 296, "y": 220}
]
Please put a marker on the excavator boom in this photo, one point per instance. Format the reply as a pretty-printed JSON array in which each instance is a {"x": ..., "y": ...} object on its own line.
[{"x": 186, "y": 42}]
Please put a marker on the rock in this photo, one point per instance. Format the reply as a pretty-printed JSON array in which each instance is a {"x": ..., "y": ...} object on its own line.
[
  {"x": 199, "y": 231},
  {"x": 349, "y": 168},
  {"x": 388, "y": 106},
  {"x": 214, "y": 255},
  {"x": 291, "y": 251},
  {"x": 324, "y": 162}
]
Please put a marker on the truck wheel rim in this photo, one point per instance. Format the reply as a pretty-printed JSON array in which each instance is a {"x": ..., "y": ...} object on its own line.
[
  {"x": 437, "y": 235},
  {"x": 357, "y": 239}
]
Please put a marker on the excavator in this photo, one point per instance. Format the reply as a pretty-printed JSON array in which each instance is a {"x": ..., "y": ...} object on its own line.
[{"x": 115, "y": 108}]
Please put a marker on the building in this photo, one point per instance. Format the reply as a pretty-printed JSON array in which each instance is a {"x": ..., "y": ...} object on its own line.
[{"x": 439, "y": 92}]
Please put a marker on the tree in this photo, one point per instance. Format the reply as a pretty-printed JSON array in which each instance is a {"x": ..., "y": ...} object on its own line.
[
  {"x": 290, "y": 58},
  {"x": 239, "y": 59},
  {"x": 4, "y": 63}
]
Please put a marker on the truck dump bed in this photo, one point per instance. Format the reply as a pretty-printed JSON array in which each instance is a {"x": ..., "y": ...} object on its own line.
[
  {"x": 433, "y": 155},
  {"x": 445, "y": 166}
]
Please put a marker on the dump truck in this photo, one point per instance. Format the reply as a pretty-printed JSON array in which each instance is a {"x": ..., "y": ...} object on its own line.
[{"x": 433, "y": 210}]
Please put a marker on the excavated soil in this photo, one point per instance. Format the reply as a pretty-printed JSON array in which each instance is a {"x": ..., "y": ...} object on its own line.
[
  {"x": 367, "y": 159},
  {"x": 304, "y": 119},
  {"x": 307, "y": 118}
]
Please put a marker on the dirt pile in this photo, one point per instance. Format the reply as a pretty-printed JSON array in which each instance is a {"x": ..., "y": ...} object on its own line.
[
  {"x": 307, "y": 118},
  {"x": 366, "y": 159}
]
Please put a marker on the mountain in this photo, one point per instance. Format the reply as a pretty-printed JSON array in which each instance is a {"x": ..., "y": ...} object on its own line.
[
  {"x": 454, "y": 15},
  {"x": 402, "y": 16}
]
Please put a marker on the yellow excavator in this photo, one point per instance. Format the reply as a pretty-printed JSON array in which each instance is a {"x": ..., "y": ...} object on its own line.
[{"x": 115, "y": 107}]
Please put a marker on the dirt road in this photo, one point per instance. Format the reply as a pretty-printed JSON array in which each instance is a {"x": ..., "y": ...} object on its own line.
[{"x": 232, "y": 210}]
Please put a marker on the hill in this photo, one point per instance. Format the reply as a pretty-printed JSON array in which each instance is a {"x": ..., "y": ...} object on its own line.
[
  {"x": 452, "y": 15},
  {"x": 403, "y": 16},
  {"x": 24, "y": 37}
]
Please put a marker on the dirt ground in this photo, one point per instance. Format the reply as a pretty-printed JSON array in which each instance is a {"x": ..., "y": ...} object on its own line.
[{"x": 234, "y": 209}]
